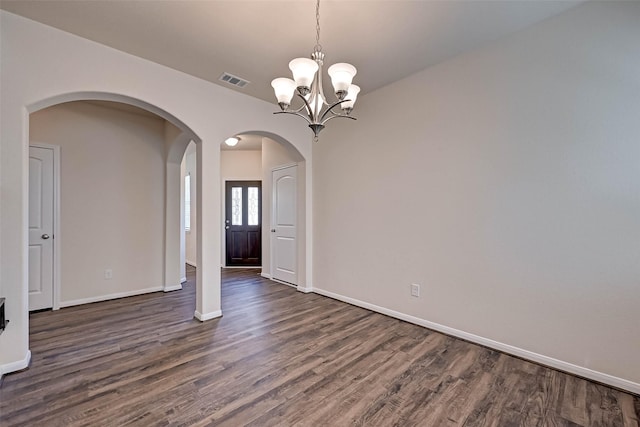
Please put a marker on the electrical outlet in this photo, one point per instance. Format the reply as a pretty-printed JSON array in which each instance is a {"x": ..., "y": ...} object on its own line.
[
  {"x": 108, "y": 274},
  {"x": 415, "y": 290}
]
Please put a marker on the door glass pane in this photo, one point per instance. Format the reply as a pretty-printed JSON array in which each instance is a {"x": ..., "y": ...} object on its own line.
[
  {"x": 236, "y": 206},
  {"x": 253, "y": 206}
]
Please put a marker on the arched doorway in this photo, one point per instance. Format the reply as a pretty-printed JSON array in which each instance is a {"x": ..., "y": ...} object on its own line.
[
  {"x": 174, "y": 136},
  {"x": 276, "y": 152}
]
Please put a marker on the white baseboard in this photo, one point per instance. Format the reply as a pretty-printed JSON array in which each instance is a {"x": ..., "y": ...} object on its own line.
[
  {"x": 16, "y": 366},
  {"x": 301, "y": 289},
  {"x": 172, "y": 288},
  {"x": 109, "y": 296},
  {"x": 182, "y": 280},
  {"x": 506, "y": 348},
  {"x": 283, "y": 282},
  {"x": 208, "y": 316},
  {"x": 298, "y": 287}
]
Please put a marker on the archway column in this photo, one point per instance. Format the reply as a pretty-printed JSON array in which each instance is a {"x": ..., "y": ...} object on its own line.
[
  {"x": 208, "y": 301},
  {"x": 173, "y": 182},
  {"x": 176, "y": 142}
]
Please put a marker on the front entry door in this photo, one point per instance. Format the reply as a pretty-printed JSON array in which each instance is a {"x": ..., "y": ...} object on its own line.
[
  {"x": 243, "y": 223},
  {"x": 284, "y": 242},
  {"x": 40, "y": 228}
]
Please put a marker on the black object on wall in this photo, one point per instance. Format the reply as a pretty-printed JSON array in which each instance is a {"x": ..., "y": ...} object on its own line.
[{"x": 3, "y": 322}]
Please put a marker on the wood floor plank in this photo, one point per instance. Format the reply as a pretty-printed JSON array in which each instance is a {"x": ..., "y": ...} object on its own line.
[
  {"x": 279, "y": 357},
  {"x": 630, "y": 416}
]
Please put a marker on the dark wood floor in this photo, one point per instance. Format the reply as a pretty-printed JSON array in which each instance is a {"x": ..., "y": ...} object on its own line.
[{"x": 279, "y": 358}]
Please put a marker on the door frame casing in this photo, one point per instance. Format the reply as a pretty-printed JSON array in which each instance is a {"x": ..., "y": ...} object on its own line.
[
  {"x": 272, "y": 225},
  {"x": 56, "y": 219}
]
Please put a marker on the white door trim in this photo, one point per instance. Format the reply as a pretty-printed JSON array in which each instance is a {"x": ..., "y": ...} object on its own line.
[
  {"x": 56, "y": 219},
  {"x": 286, "y": 166}
]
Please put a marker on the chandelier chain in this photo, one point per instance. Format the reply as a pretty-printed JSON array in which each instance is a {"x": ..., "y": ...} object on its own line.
[{"x": 318, "y": 46}]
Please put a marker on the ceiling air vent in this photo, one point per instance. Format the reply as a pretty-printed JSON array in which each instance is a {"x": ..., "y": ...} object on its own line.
[{"x": 234, "y": 80}]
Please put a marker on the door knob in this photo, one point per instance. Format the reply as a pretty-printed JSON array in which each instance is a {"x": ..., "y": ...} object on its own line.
[{"x": 45, "y": 236}]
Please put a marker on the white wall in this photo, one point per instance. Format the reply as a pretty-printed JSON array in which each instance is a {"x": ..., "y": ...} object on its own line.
[
  {"x": 112, "y": 198},
  {"x": 508, "y": 186},
  {"x": 42, "y": 66},
  {"x": 237, "y": 165}
]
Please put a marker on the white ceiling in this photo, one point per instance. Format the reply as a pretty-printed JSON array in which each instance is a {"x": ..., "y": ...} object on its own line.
[{"x": 386, "y": 40}]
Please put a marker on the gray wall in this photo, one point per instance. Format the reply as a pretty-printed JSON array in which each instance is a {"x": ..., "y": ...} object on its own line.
[{"x": 506, "y": 182}]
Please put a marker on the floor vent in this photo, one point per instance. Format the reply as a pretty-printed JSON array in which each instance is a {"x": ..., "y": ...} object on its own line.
[{"x": 234, "y": 80}]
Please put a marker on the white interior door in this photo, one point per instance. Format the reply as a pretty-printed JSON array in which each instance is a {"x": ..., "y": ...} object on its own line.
[
  {"x": 40, "y": 228},
  {"x": 284, "y": 242}
]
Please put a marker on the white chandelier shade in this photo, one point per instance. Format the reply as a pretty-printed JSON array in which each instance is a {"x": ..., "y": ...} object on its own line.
[
  {"x": 304, "y": 71},
  {"x": 341, "y": 77},
  {"x": 352, "y": 95},
  {"x": 284, "y": 89}
]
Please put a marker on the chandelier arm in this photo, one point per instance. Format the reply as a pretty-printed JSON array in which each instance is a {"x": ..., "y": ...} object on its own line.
[
  {"x": 302, "y": 107},
  {"x": 344, "y": 116},
  {"x": 306, "y": 104},
  {"x": 330, "y": 109},
  {"x": 295, "y": 113}
]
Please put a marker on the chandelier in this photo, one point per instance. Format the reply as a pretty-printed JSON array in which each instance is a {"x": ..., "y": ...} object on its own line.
[{"x": 307, "y": 84}]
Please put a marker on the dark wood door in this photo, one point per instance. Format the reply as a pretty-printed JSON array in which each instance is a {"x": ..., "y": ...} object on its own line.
[{"x": 243, "y": 223}]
